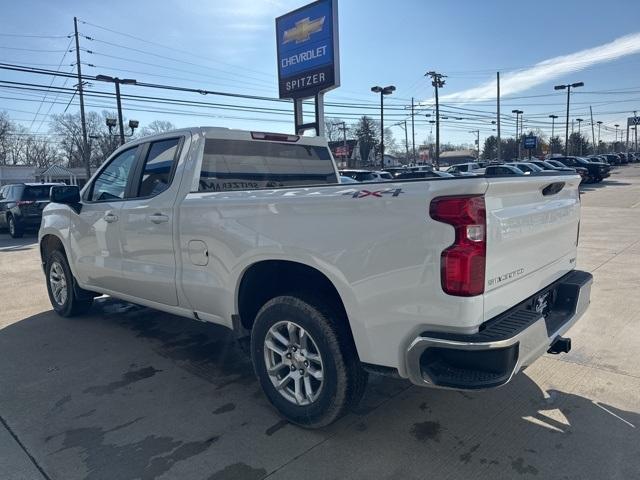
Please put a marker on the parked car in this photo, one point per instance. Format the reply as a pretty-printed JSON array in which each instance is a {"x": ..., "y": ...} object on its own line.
[
  {"x": 623, "y": 158},
  {"x": 463, "y": 167},
  {"x": 527, "y": 167},
  {"x": 21, "y": 206},
  {"x": 612, "y": 159},
  {"x": 360, "y": 175},
  {"x": 345, "y": 179},
  {"x": 382, "y": 175},
  {"x": 560, "y": 167},
  {"x": 597, "y": 171},
  {"x": 452, "y": 284},
  {"x": 395, "y": 170},
  {"x": 501, "y": 170},
  {"x": 422, "y": 174}
]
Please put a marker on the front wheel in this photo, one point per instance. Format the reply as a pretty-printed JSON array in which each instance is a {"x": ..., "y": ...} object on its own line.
[
  {"x": 66, "y": 298},
  {"x": 15, "y": 230},
  {"x": 305, "y": 360}
]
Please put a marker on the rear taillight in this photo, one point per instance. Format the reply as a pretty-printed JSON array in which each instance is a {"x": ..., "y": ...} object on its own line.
[
  {"x": 21, "y": 203},
  {"x": 462, "y": 265}
]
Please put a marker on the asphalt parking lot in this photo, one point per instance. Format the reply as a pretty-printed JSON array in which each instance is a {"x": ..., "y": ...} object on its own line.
[{"x": 128, "y": 392}]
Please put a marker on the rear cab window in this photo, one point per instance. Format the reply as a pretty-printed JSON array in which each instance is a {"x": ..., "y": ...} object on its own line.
[
  {"x": 254, "y": 164},
  {"x": 158, "y": 167}
]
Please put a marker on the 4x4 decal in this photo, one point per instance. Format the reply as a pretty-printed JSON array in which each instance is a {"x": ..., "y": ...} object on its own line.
[{"x": 394, "y": 192}]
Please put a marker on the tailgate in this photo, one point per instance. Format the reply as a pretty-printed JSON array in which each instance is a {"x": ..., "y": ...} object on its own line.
[{"x": 532, "y": 229}]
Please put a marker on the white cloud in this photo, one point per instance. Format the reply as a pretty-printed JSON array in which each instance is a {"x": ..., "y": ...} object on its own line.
[{"x": 520, "y": 80}]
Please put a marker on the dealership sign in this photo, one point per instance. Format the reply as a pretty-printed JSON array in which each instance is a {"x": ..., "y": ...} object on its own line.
[
  {"x": 530, "y": 142},
  {"x": 307, "y": 43}
]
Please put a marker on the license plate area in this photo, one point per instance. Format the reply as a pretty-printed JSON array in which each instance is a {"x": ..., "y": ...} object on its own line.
[{"x": 543, "y": 302}]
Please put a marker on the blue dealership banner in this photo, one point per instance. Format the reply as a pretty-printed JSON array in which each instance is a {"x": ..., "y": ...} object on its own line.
[
  {"x": 530, "y": 142},
  {"x": 307, "y": 43}
]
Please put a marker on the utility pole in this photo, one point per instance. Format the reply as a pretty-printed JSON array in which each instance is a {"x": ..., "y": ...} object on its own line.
[
  {"x": 593, "y": 131},
  {"x": 477, "y": 132},
  {"x": 343, "y": 126},
  {"x": 85, "y": 143},
  {"x": 599, "y": 123},
  {"x": 616, "y": 142},
  {"x": 413, "y": 132},
  {"x": 406, "y": 133},
  {"x": 626, "y": 143},
  {"x": 553, "y": 124},
  {"x": 437, "y": 82},
  {"x": 498, "y": 119}
]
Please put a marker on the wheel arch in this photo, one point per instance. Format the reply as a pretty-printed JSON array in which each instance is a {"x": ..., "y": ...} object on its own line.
[
  {"x": 266, "y": 279},
  {"x": 50, "y": 242}
]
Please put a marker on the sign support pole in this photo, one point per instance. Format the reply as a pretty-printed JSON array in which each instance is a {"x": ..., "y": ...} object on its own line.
[
  {"x": 318, "y": 124},
  {"x": 320, "y": 127}
]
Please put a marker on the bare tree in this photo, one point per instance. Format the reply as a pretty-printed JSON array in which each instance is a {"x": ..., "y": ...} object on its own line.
[
  {"x": 68, "y": 130},
  {"x": 157, "y": 126},
  {"x": 6, "y": 127},
  {"x": 333, "y": 129}
]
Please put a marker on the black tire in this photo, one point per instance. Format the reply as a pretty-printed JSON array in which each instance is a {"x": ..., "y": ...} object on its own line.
[
  {"x": 344, "y": 380},
  {"x": 76, "y": 301},
  {"x": 15, "y": 229}
]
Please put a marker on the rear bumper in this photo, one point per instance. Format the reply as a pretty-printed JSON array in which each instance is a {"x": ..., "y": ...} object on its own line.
[{"x": 504, "y": 344}]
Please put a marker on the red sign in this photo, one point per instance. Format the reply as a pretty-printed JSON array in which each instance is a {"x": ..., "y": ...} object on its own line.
[{"x": 342, "y": 151}]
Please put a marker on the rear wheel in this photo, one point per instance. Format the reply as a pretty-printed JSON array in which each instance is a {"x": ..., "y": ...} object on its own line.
[
  {"x": 305, "y": 361},
  {"x": 15, "y": 230},
  {"x": 65, "y": 296}
]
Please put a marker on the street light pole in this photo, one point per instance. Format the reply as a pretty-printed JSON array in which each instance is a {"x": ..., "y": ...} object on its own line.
[
  {"x": 568, "y": 87},
  {"x": 118, "y": 81},
  {"x": 615, "y": 143},
  {"x": 635, "y": 129},
  {"x": 518, "y": 113},
  {"x": 553, "y": 124},
  {"x": 599, "y": 122},
  {"x": 580, "y": 120},
  {"x": 388, "y": 90}
]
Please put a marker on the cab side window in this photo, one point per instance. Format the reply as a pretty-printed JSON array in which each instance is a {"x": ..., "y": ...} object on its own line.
[
  {"x": 158, "y": 167},
  {"x": 111, "y": 184}
]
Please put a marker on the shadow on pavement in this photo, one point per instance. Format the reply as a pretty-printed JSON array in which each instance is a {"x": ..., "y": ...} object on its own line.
[
  {"x": 9, "y": 244},
  {"x": 588, "y": 187},
  {"x": 129, "y": 392}
]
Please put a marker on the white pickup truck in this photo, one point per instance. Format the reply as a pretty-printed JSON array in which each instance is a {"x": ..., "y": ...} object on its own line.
[{"x": 448, "y": 282}]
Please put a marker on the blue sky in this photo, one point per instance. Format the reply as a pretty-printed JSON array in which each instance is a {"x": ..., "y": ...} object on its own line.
[{"x": 231, "y": 47}]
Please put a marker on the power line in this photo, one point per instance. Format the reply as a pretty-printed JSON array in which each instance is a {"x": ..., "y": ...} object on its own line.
[
  {"x": 53, "y": 79},
  {"x": 39, "y": 50},
  {"x": 184, "y": 52},
  {"x": 31, "y": 35}
]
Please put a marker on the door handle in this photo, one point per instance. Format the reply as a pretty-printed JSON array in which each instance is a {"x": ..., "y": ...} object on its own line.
[
  {"x": 110, "y": 217},
  {"x": 158, "y": 218}
]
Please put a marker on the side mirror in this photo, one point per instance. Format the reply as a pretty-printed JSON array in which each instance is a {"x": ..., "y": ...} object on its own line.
[{"x": 66, "y": 194}]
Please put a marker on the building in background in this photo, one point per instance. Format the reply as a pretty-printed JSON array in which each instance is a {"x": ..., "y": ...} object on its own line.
[
  {"x": 56, "y": 174},
  {"x": 457, "y": 156}
]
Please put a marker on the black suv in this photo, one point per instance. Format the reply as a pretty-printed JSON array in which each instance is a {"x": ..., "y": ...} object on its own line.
[
  {"x": 21, "y": 206},
  {"x": 597, "y": 171}
]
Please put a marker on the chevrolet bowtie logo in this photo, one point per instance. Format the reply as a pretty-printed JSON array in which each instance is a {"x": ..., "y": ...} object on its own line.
[{"x": 303, "y": 30}]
